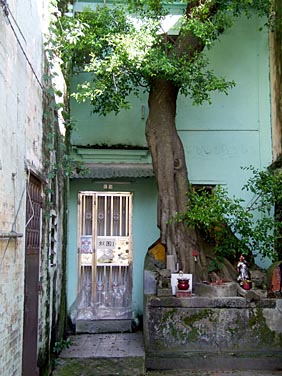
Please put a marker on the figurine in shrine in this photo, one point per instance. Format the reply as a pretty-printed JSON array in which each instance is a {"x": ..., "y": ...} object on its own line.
[{"x": 243, "y": 270}]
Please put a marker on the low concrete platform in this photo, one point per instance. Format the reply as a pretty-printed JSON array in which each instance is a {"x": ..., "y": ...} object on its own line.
[{"x": 201, "y": 333}]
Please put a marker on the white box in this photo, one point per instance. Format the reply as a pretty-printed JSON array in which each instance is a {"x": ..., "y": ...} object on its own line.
[{"x": 174, "y": 281}]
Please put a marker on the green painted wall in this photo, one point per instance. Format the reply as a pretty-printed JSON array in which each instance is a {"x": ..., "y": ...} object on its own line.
[
  {"x": 126, "y": 128},
  {"x": 145, "y": 231},
  {"x": 235, "y": 130}
]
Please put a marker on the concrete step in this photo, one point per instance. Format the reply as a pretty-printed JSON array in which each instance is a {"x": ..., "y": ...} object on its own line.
[
  {"x": 103, "y": 354},
  {"x": 102, "y": 326}
]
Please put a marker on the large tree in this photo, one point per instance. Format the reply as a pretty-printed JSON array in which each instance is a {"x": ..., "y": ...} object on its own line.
[{"x": 126, "y": 49}]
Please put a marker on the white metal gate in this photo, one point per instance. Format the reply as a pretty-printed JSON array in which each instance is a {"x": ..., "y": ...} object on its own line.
[{"x": 104, "y": 255}]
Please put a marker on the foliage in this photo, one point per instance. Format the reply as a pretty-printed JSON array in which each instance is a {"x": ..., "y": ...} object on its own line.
[
  {"x": 123, "y": 55},
  {"x": 61, "y": 345},
  {"x": 219, "y": 216},
  {"x": 57, "y": 103}
]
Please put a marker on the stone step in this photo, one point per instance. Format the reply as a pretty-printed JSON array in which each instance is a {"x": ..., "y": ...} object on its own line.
[
  {"x": 100, "y": 366},
  {"x": 102, "y": 326},
  {"x": 103, "y": 354}
]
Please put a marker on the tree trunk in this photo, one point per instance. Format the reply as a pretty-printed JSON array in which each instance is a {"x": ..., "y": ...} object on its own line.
[{"x": 170, "y": 169}]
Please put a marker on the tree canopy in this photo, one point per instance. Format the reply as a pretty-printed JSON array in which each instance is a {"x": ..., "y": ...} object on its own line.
[{"x": 126, "y": 45}]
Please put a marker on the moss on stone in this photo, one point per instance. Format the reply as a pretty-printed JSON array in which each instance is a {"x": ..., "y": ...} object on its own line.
[
  {"x": 260, "y": 331},
  {"x": 179, "y": 328},
  {"x": 168, "y": 314},
  {"x": 195, "y": 333},
  {"x": 107, "y": 366},
  {"x": 202, "y": 314}
]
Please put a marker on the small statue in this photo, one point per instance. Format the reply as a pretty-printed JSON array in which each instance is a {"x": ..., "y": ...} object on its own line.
[
  {"x": 164, "y": 279},
  {"x": 243, "y": 270}
]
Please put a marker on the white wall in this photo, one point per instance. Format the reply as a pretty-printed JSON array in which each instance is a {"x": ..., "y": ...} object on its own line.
[{"x": 21, "y": 150}]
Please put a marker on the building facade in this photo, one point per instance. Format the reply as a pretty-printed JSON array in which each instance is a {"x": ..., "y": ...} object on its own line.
[
  {"x": 233, "y": 132},
  {"x": 31, "y": 194}
]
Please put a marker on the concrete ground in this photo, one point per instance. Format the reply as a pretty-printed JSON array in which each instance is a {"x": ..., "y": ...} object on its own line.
[
  {"x": 123, "y": 354},
  {"x": 112, "y": 345},
  {"x": 214, "y": 373}
]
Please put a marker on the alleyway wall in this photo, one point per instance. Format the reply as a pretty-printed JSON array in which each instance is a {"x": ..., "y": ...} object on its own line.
[{"x": 29, "y": 146}]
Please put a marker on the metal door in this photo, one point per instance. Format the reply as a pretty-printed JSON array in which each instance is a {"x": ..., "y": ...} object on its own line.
[
  {"x": 104, "y": 255},
  {"x": 31, "y": 288}
]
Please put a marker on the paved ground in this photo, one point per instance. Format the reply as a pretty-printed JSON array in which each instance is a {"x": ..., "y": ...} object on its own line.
[
  {"x": 214, "y": 373},
  {"x": 116, "y": 345},
  {"x": 123, "y": 354}
]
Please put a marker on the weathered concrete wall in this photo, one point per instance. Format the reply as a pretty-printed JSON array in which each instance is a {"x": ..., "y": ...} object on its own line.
[
  {"x": 23, "y": 151},
  {"x": 52, "y": 298},
  {"x": 20, "y": 140},
  {"x": 212, "y": 333}
]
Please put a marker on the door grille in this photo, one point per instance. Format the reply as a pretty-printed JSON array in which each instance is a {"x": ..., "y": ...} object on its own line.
[{"x": 104, "y": 255}]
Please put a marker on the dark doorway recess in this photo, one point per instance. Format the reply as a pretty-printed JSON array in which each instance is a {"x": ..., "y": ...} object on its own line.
[{"x": 31, "y": 287}]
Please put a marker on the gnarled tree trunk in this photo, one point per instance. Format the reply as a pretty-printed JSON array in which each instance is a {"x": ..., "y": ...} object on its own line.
[{"x": 172, "y": 179}]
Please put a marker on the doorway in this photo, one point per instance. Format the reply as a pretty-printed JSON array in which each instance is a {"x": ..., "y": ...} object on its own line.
[
  {"x": 31, "y": 284},
  {"x": 104, "y": 256}
]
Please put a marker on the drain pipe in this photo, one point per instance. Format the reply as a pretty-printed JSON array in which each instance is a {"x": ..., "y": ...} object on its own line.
[{"x": 10, "y": 235}]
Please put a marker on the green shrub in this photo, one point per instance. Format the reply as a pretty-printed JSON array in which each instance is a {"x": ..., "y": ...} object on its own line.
[{"x": 229, "y": 222}]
